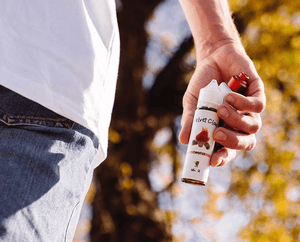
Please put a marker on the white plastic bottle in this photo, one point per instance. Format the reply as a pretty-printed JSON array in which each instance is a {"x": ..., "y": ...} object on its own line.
[{"x": 201, "y": 143}]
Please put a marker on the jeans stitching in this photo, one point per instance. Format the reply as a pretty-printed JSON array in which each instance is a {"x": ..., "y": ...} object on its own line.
[
  {"x": 22, "y": 120},
  {"x": 70, "y": 218}
]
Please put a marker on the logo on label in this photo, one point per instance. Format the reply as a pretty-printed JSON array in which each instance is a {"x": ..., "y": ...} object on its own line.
[
  {"x": 197, "y": 163},
  {"x": 202, "y": 139}
]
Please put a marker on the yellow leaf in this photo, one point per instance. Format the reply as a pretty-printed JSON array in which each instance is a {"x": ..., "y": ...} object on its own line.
[
  {"x": 126, "y": 169},
  {"x": 114, "y": 136},
  {"x": 91, "y": 193},
  {"x": 282, "y": 207},
  {"x": 295, "y": 42},
  {"x": 266, "y": 39}
]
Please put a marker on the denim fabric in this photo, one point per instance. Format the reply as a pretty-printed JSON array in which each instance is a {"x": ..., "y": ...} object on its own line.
[{"x": 46, "y": 167}]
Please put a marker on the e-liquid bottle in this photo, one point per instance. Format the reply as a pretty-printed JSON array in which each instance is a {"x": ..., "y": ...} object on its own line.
[{"x": 201, "y": 143}]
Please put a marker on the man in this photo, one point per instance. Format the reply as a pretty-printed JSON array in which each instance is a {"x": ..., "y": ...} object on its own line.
[
  {"x": 58, "y": 69},
  {"x": 220, "y": 55}
]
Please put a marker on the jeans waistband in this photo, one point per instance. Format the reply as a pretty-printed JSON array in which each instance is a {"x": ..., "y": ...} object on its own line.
[{"x": 18, "y": 110}]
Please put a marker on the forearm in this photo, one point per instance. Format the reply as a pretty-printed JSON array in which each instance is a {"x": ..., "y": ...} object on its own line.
[{"x": 211, "y": 24}]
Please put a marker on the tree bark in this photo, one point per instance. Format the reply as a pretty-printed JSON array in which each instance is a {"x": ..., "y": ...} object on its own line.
[{"x": 125, "y": 207}]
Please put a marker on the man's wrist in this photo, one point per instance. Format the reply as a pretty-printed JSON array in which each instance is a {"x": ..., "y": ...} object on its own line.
[
  {"x": 211, "y": 24},
  {"x": 205, "y": 49}
]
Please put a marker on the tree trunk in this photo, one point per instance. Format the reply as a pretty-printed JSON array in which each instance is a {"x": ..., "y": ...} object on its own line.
[{"x": 125, "y": 207}]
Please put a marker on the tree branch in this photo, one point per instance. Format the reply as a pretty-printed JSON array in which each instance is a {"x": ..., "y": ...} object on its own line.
[{"x": 168, "y": 89}]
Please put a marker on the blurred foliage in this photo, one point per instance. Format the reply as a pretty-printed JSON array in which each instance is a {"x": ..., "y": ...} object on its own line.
[{"x": 272, "y": 40}]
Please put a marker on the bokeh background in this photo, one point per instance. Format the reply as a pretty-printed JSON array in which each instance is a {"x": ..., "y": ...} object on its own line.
[{"x": 137, "y": 194}]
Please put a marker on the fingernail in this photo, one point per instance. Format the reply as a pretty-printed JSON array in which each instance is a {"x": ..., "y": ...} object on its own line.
[
  {"x": 217, "y": 163},
  {"x": 223, "y": 112},
  {"x": 220, "y": 136},
  {"x": 220, "y": 163},
  {"x": 229, "y": 99}
]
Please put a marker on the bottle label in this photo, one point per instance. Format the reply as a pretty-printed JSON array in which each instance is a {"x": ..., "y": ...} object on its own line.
[{"x": 201, "y": 145}]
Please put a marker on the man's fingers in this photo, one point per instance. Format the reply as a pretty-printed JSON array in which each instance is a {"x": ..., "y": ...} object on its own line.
[
  {"x": 234, "y": 140},
  {"x": 186, "y": 125},
  {"x": 222, "y": 157},
  {"x": 245, "y": 104},
  {"x": 249, "y": 124}
]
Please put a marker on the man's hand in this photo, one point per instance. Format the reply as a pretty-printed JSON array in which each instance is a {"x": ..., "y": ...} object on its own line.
[{"x": 228, "y": 59}]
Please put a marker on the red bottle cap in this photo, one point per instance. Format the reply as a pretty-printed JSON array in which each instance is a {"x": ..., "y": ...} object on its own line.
[{"x": 238, "y": 83}]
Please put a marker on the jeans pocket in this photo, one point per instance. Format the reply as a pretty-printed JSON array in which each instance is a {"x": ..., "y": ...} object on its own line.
[{"x": 16, "y": 110}]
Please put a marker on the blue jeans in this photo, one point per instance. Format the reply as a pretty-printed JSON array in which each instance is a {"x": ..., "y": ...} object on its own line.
[{"x": 46, "y": 167}]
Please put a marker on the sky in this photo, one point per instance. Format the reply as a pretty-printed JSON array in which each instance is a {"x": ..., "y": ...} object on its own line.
[{"x": 167, "y": 29}]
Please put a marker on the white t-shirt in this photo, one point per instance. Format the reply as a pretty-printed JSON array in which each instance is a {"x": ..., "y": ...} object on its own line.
[{"x": 63, "y": 54}]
